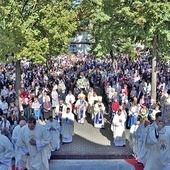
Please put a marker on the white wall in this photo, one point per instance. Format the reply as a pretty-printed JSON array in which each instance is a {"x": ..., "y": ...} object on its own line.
[{"x": 79, "y": 44}]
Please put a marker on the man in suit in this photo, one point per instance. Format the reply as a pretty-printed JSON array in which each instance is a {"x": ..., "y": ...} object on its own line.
[{"x": 140, "y": 93}]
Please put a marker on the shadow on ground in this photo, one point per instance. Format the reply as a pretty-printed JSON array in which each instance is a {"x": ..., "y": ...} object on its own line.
[{"x": 92, "y": 143}]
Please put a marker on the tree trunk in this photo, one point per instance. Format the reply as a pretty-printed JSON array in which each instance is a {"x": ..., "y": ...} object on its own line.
[
  {"x": 112, "y": 57},
  {"x": 18, "y": 84},
  {"x": 154, "y": 69},
  {"x": 111, "y": 54}
]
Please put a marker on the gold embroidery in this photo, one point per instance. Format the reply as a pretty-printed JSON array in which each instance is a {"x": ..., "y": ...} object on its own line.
[
  {"x": 32, "y": 137},
  {"x": 162, "y": 144}
]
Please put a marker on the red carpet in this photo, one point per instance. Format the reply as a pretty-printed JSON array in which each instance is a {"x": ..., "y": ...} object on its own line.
[
  {"x": 130, "y": 161},
  {"x": 135, "y": 163}
]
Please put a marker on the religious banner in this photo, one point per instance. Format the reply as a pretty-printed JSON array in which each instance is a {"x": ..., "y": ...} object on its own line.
[{"x": 166, "y": 113}]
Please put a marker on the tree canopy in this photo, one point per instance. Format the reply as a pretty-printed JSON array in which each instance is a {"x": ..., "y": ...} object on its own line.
[
  {"x": 125, "y": 21},
  {"x": 35, "y": 28},
  {"x": 116, "y": 25}
]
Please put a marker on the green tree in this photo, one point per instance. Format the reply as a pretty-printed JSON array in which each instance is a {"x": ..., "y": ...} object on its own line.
[
  {"x": 89, "y": 14},
  {"x": 35, "y": 29},
  {"x": 146, "y": 20}
]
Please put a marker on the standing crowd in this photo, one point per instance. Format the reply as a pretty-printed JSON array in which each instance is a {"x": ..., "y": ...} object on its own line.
[{"x": 52, "y": 96}]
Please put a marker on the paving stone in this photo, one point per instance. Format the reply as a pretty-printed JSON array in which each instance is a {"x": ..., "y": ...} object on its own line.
[
  {"x": 92, "y": 142},
  {"x": 90, "y": 165}
]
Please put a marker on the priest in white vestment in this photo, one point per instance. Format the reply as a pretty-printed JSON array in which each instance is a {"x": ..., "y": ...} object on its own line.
[
  {"x": 99, "y": 110},
  {"x": 81, "y": 107},
  {"x": 91, "y": 103},
  {"x": 118, "y": 128},
  {"x": 67, "y": 126},
  {"x": 35, "y": 142},
  {"x": 53, "y": 126},
  {"x": 69, "y": 100},
  {"x": 6, "y": 153},
  {"x": 132, "y": 139},
  {"x": 60, "y": 109},
  {"x": 19, "y": 163},
  {"x": 140, "y": 135},
  {"x": 54, "y": 96},
  {"x": 158, "y": 145}
]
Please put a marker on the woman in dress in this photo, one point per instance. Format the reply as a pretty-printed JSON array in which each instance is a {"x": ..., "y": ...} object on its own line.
[
  {"x": 133, "y": 115},
  {"x": 47, "y": 108}
]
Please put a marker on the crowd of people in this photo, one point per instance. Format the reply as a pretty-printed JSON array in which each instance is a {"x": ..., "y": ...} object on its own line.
[{"x": 54, "y": 95}]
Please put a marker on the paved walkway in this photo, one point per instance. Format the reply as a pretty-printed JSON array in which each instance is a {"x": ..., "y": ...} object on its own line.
[
  {"x": 91, "y": 165},
  {"x": 95, "y": 164},
  {"x": 92, "y": 143}
]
